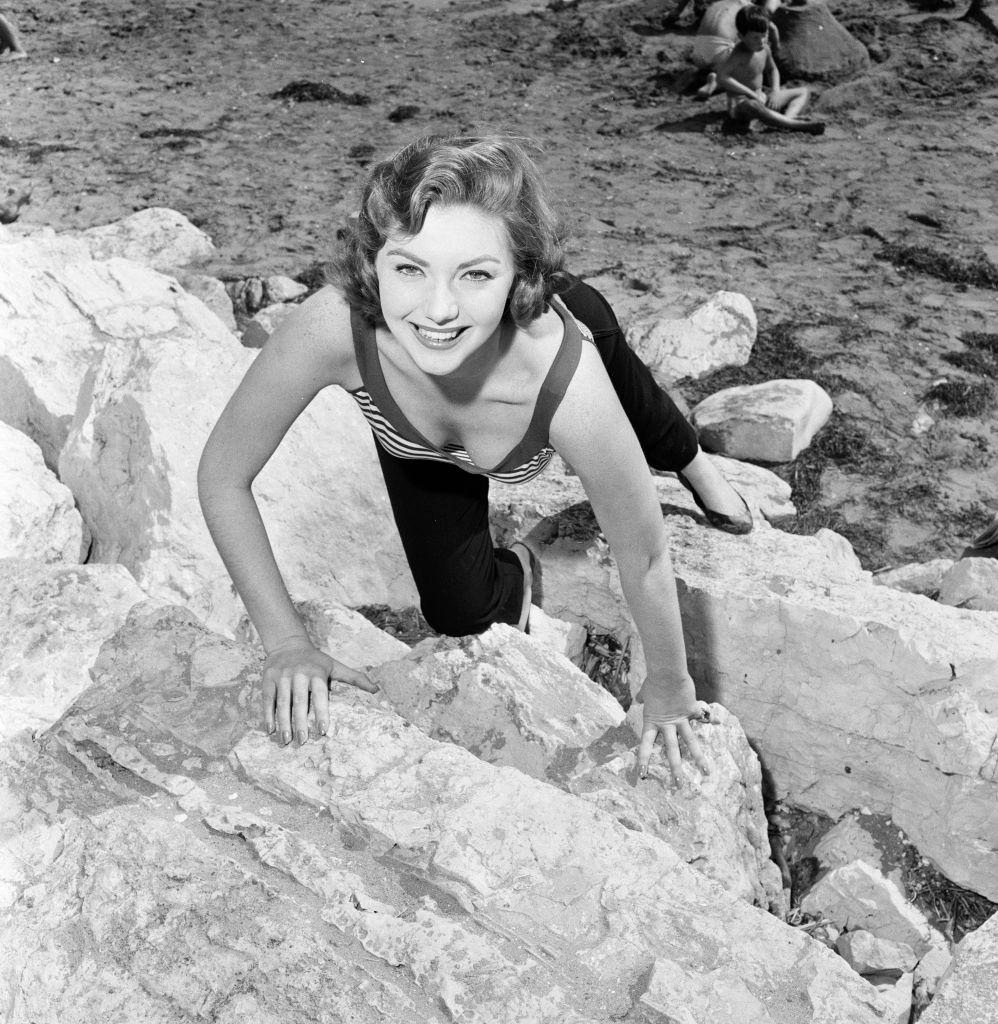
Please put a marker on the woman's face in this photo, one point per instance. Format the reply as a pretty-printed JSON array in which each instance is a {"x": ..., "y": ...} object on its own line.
[{"x": 444, "y": 290}]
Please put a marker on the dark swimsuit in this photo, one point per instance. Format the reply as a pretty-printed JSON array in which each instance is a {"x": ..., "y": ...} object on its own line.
[{"x": 400, "y": 438}]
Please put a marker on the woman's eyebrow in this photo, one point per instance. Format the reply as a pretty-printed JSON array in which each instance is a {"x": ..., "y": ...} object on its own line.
[{"x": 461, "y": 266}]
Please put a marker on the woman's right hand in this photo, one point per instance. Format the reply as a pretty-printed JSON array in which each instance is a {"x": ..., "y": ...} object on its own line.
[{"x": 296, "y": 678}]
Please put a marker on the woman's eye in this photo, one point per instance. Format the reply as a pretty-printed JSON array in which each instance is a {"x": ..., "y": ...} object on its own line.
[
  {"x": 479, "y": 275},
  {"x": 408, "y": 270}
]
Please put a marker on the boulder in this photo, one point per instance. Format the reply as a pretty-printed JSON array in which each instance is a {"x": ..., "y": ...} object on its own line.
[
  {"x": 917, "y": 577},
  {"x": 895, "y": 995},
  {"x": 813, "y": 45},
  {"x": 865, "y": 953},
  {"x": 966, "y": 992},
  {"x": 930, "y": 969},
  {"x": 770, "y": 422},
  {"x": 971, "y": 583},
  {"x": 853, "y": 695},
  {"x": 278, "y": 288},
  {"x": 501, "y": 695},
  {"x": 38, "y": 518},
  {"x": 56, "y": 309},
  {"x": 53, "y": 620},
  {"x": 131, "y": 460},
  {"x": 464, "y": 885},
  {"x": 265, "y": 321},
  {"x": 156, "y": 237},
  {"x": 847, "y": 840},
  {"x": 211, "y": 291},
  {"x": 720, "y": 332},
  {"x": 857, "y": 897}
]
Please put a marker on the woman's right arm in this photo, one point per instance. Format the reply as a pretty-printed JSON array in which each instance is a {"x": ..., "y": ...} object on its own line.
[{"x": 309, "y": 351}]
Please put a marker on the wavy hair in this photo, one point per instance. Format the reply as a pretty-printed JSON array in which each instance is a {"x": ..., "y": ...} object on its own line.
[{"x": 492, "y": 173}]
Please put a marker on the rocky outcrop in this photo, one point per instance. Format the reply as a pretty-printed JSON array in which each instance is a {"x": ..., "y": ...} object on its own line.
[
  {"x": 853, "y": 695},
  {"x": 971, "y": 583},
  {"x": 770, "y": 422},
  {"x": 54, "y": 620},
  {"x": 966, "y": 993},
  {"x": 38, "y": 518},
  {"x": 719, "y": 332},
  {"x": 156, "y": 237},
  {"x": 197, "y": 868},
  {"x": 112, "y": 343},
  {"x": 813, "y": 45}
]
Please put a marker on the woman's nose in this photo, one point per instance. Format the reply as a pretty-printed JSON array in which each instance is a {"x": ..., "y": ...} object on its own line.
[{"x": 441, "y": 303}]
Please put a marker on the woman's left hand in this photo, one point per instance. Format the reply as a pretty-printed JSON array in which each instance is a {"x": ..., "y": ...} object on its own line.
[{"x": 657, "y": 720}]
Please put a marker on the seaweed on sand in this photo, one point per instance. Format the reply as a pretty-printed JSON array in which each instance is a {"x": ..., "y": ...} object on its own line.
[
  {"x": 963, "y": 397},
  {"x": 977, "y": 270}
]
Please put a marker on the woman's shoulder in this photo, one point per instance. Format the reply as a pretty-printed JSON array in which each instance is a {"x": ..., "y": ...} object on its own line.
[{"x": 320, "y": 329}]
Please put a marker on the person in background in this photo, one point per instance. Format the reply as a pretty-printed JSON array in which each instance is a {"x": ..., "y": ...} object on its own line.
[{"x": 10, "y": 43}]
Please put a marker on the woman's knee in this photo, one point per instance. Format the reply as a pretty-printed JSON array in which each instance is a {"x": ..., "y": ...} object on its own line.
[{"x": 450, "y": 620}]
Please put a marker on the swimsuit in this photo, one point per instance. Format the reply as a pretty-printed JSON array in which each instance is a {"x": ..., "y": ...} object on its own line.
[{"x": 400, "y": 438}]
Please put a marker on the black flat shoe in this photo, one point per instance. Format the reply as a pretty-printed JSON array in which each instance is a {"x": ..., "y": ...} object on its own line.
[
  {"x": 985, "y": 546},
  {"x": 729, "y": 524}
]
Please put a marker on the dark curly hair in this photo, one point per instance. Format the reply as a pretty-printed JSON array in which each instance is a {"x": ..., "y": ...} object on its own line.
[
  {"x": 492, "y": 173},
  {"x": 751, "y": 19}
]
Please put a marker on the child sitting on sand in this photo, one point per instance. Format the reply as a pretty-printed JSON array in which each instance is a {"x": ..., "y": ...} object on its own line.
[
  {"x": 750, "y": 71},
  {"x": 717, "y": 37}
]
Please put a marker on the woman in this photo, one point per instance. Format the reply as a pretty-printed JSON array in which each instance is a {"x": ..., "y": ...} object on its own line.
[{"x": 447, "y": 330}]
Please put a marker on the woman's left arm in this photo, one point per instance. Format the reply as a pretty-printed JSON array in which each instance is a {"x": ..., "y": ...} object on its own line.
[{"x": 592, "y": 433}]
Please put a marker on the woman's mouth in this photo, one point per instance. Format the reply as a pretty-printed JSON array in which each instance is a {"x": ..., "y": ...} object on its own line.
[{"x": 437, "y": 338}]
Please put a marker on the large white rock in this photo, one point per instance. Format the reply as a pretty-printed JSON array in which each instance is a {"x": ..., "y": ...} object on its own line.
[
  {"x": 53, "y": 620},
  {"x": 57, "y": 308},
  {"x": 720, "y": 332},
  {"x": 156, "y": 237},
  {"x": 427, "y": 884},
  {"x": 770, "y": 422},
  {"x": 966, "y": 992},
  {"x": 38, "y": 517},
  {"x": 211, "y": 291},
  {"x": 916, "y": 577},
  {"x": 502, "y": 695},
  {"x": 857, "y": 897},
  {"x": 971, "y": 583},
  {"x": 853, "y": 695},
  {"x": 865, "y": 953},
  {"x": 264, "y": 322},
  {"x": 138, "y": 432}
]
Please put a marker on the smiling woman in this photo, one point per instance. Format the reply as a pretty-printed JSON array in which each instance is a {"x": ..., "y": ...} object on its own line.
[{"x": 474, "y": 356}]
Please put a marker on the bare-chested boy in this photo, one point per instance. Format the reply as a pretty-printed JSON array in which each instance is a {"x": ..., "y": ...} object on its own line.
[
  {"x": 752, "y": 81},
  {"x": 717, "y": 36}
]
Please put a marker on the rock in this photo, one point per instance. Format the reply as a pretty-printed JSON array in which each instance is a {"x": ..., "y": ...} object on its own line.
[
  {"x": 278, "y": 288},
  {"x": 264, "y": 323},
  {"x": 157, "y": 237},
  {"x": 721, "y": 332},
  {"x": 213, "y": 294},
  {"x": 916, "y": 578},
  {"x": 813, "y": 45},
  {"x": 853, "y": 695},
  {"x": 966, "y": 992},
  {"x": 38, "y": 518},
  {"x": 566, "y": 638},
  {"x": 511, "y": 702},
  {"x": 516, "y": 509},
  {"x": 847, "y": 840},
  {"x": 770, "y": 422},
  {"x": 867, "y": 954},
  {"x": 857, "y": 897},
  {"x": 55, "y": 307},
  {"x": 931, "y": 967},
  {"x": 53, "y": 620},
  {"x": 971, "y": 583},
  {"x": 503, "y": 696},
  {"x": 131, "y": 462},
  {"x": 348, "y": 636},
  {"x": 896, "y": 996},
  {"x": 404, "y": 873}
]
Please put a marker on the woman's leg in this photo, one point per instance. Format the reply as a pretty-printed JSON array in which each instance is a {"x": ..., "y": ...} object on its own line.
[
  {"x": 667, "y": 438},
  {"x": 465, "y": 584}
]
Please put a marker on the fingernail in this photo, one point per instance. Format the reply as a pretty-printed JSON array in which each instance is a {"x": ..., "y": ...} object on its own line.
[
  {"x": 285, "y": 737},
  {"x": 302, "y": 735},
  {"x": 323, "y": 729},
  {"x": 271, "y": 729},
  {"x": 643, "y": 772}
]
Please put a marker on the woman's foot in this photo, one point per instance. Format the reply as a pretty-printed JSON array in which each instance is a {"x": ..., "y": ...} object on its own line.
[
  {"x": 526, "y": 557},
  {"x": 985, "y": 546},
  {"x": 723, "y": 507}
]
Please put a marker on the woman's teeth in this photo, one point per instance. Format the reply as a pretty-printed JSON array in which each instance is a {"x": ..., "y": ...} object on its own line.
[{"x": 437, "y": 337}]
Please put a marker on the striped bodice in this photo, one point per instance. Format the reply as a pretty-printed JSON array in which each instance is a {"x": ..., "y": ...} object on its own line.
[{"x": 398, "y": 437}]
